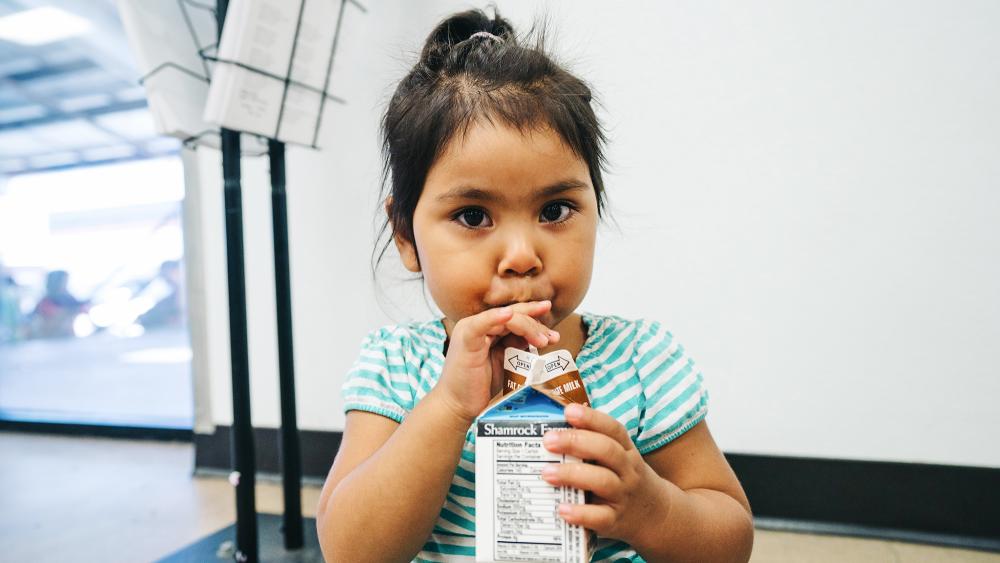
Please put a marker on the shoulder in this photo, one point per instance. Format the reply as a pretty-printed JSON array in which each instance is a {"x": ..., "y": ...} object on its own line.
[
  {"x": 646, "y": 344},
  {"x": 670, "y": 388},
  {"x": 396, "y": 365},
  {"x": 640, "y": 336},
  {"x": 417, "y": 338}
]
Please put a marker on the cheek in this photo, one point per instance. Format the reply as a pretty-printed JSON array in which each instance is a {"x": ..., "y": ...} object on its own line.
[
  {"x": 455, "y": 278},
  {"x": 571, "y": 265},
  {"x": 571, "y": 274}
]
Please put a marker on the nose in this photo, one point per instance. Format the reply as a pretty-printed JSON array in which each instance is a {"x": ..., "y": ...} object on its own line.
[{"x": 520, "y": 256}]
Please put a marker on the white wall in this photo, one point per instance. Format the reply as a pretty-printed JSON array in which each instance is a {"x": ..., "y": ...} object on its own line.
[{"x": 805, "y": 192}]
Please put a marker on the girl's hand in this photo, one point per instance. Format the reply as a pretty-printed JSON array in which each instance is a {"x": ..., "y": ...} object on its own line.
[
  {"x": 626, "y": 492},
  {"x": 473, "y": 367}
]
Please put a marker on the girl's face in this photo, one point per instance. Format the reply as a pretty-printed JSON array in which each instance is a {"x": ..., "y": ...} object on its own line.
[{"x": 504, "y": 217}]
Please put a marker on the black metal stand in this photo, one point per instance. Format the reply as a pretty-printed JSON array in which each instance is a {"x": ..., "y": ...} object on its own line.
[
  {"x": 291, "y": 461},
  {"x": 243, "y": 451},
  {"x": 301, "y": 545}
]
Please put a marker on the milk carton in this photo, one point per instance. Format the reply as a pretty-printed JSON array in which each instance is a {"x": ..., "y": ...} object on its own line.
[{"x": 516, "y": 510}]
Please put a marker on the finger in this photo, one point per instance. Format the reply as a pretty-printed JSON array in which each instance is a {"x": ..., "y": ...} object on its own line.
[
  {"x": 530, "y": 329},
  {"x": 472, "y": 331},
  {"x": 536, "y": 333},
  {"x": 536, "y": 309},
  {"x": 532, "y": 308},
  {"x": 592, "y": 419},
  {"x": 588, "y": 445},
  {"x": 597, "y": 517},
  {"x": 599, "y": 480}
]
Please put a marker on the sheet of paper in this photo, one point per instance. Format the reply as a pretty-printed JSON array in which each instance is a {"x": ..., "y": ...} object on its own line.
[
  {"x": 158, "y": 33},
  {"x": 261, "y": 34}
]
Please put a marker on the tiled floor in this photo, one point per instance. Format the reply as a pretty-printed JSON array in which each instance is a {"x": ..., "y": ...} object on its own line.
[{"x": 108, "y": 501}]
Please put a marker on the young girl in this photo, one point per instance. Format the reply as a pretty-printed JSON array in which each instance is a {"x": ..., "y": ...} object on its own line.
[{"x": 494, "y": 155}]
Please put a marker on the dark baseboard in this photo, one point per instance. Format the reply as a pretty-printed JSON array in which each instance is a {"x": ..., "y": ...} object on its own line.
[
  {"x": 936, "y": 504},
  {"x": 920, "y": 498},
  {"x": 166, "y": 434},
  {"x": 212, "y": 451}
]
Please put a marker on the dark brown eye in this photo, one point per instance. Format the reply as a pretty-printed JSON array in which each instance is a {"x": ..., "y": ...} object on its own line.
[
  {"x": 473, "y": 218},
  {"x": 554, "y": 212}
]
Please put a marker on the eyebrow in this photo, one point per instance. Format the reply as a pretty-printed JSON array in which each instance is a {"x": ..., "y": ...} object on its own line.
[{"x": 479, "y": 194}]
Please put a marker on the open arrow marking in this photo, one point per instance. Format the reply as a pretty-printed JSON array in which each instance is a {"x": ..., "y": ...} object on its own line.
[
  {"x": 558, "y": 363},
  {"x": 516, "y": 362}
]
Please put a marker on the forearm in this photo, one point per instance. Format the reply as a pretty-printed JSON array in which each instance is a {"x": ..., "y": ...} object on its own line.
[
  {"x": 385, "y": 508},
  {"x": 697, "y": 525}
]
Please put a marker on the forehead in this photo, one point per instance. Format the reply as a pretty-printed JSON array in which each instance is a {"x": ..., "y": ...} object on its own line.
[{"x": 497, "y": 156}]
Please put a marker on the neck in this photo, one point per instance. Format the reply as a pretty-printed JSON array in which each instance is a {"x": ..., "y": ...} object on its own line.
[{"x": 572, "y": 334}]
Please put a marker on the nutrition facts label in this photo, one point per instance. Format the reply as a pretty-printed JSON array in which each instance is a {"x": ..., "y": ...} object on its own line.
[{"x": 526, "y": 524}]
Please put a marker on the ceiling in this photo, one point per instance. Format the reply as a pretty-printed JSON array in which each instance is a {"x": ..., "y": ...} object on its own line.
[{"x": 73, "y": 102}]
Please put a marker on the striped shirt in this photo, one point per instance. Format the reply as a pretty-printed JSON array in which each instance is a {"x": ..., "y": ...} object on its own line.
[{"x": 633, "y": 370}]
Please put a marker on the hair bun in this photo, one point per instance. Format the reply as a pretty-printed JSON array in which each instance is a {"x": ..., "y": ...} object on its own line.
[{"x": 461, "y": 27}]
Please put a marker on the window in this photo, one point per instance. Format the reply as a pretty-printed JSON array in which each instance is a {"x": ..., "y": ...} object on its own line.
[{"x": 93, "y": 324}]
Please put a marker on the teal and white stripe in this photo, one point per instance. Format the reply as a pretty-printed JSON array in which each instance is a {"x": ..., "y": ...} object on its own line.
[{"x": 633, "y": 370}]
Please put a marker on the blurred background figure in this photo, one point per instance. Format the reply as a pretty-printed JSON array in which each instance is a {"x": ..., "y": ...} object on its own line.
[
  {"x": 10, "y": 306},
  {"x": 54, "y": 314},
  {"x": 168, "y": 310}
]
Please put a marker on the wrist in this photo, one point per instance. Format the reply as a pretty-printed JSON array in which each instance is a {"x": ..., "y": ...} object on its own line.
[{"x": 452, "y": 408}]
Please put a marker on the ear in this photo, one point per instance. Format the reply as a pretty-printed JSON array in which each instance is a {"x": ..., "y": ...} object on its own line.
[
  {"x": 406, "y": 247},
  {"x": 407, "y": 252}
]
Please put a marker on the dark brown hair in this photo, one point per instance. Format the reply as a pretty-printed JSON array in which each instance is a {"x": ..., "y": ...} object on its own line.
[{"x": 475, "y": 67}]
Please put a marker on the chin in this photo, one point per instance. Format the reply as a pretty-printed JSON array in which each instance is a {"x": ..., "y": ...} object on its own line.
[
  {"x": 553, "y": 318},
  {"x": 547, "y": 319}
]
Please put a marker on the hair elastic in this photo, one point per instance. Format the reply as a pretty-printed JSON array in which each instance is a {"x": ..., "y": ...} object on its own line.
[{"x": 485, "y": 34}]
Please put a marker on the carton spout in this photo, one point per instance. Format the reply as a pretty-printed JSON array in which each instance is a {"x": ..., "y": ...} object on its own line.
[{"x": 554, "y": 374}]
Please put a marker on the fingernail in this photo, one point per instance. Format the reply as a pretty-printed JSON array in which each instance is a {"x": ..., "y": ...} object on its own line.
[
  {"x": 550, "y": 439},
  {"x": 574, "y": 410},
  {"x": 565, "y": 509},
  {"x": 548, "y": 472},
  {"x": 505, "y": 310},
  {"x": 553, "y": 335}
]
